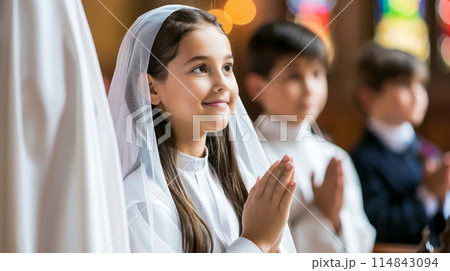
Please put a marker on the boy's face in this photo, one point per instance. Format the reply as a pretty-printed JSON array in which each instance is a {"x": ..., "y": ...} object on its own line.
[
  {"x": 301, "y": 89},
  {"x": 403, "y": 99}
]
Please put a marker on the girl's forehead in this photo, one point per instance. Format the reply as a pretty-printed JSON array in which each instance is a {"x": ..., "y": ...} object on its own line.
[{"x": 207, "y": 41}]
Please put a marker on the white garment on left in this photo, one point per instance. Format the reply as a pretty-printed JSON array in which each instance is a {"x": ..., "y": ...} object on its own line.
[
  {"x": 312, "y": 155},
  {"x": 61, "y": 185}
]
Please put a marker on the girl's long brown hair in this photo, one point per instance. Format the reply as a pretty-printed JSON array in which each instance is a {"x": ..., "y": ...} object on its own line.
[{"x": 196, "y": 235}]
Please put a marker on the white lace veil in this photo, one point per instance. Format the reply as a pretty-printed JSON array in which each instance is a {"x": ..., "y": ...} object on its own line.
[{"x": 146, "y": 191}]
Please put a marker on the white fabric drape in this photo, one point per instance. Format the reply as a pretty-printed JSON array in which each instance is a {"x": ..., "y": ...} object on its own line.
[{"x": 60, "y": 179}]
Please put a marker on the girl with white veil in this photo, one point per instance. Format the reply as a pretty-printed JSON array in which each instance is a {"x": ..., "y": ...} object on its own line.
[{"x": 189, "y": 152}]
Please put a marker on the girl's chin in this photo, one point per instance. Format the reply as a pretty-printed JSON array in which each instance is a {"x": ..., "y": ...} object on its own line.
[
  {"x": 215, "y": 115},
  {"x": 211, "y": 122}
]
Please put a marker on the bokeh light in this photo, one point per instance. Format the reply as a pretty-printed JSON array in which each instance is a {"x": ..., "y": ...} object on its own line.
[
  {"x": 407, "y": 35},
  {"x": 404, "y": 8},
  {"x": 223, "y": 18},
  {"x": 241, "y": 11},
  {"x": 401, "y": 25},
  {"x": 444, "y": 11},
  {"x": 311, "y": 21},
  {"x": 444, "y": 49},
  {"x": 237, "y": 12},
  {"x": 315, "y": 15},
  {"x": 295, "y": 6}
]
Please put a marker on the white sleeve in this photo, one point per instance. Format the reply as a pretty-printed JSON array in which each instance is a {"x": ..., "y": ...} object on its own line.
[
  {"x": 243, "y": 245},
  {"x": 313, "y": 232},
  {"x": 163, "y": 237},
  {"x": 139, "y": 231}
]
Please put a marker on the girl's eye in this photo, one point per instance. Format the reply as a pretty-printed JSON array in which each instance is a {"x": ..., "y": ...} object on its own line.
[
  {"x": 200, "y": 69},
  {"x": 228, "y": 67}
]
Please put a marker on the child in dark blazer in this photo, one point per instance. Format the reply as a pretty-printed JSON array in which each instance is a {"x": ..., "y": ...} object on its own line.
[{"x": 405, "y": 179}]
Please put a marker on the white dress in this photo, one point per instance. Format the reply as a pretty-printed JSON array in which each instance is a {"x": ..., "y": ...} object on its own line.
[
  {"x": 61, "y": 187},
  {"x": 308, "y": 231},
  {"x": 204, "y": 190}
]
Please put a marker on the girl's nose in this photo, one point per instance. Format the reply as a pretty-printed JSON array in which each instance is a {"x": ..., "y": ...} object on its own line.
[{"x": 221, "y": 83}]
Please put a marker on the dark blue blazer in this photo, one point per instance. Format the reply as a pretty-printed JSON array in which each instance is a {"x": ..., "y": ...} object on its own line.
[{"x": 389, "y": 182}]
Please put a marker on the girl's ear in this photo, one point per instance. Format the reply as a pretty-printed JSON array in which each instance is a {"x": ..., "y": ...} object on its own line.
[
  {"x": 254, "y": 83},
  {"x": 155, "y": 96}
]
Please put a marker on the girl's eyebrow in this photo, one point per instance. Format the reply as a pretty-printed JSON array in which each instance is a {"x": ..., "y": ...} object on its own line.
[{"x": 195, "y": 58}]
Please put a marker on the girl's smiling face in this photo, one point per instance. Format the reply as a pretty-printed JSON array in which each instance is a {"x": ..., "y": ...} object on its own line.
[{"x": 200, "y": 83}]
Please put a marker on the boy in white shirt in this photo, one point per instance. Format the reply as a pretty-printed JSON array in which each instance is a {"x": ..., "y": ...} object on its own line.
[{"x": 327, "y": 214}]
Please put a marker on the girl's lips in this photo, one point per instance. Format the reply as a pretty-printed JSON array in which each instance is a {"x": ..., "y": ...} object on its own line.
[{"x": 218, "y": 104}]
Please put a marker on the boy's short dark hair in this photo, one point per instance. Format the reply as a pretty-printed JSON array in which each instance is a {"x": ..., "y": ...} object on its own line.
[
  {"x": 277, "y": 39},
  {"x": 377, "y": 64}
]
